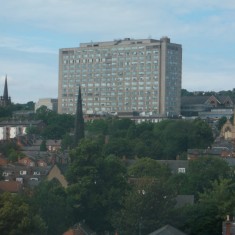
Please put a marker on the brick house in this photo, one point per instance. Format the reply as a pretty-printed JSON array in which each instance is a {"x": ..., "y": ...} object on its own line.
[
  {"x": 79, "y": 229},
  {"x": 27, "y": 161}
]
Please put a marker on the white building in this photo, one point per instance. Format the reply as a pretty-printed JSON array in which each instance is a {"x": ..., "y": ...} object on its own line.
[
  {"x": 51, "y": 104},
  {"x": 12, "y": 129},
  {"x": 126, "y": 75}
]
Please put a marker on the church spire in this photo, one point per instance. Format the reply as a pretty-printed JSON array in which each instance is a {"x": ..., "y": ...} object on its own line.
[
  {"x": 79, "y": 121},
  {"x": 5, "y": 93},
  {"x": 5, "y": 100}
]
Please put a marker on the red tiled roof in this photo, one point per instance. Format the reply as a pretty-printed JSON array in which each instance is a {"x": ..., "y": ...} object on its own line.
[{"x": 10, "y": 186}]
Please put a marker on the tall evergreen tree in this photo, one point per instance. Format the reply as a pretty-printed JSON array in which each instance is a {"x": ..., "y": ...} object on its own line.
[{"x": 79, "y": 121}]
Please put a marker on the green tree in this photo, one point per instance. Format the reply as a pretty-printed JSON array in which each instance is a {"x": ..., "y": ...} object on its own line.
[
  {"x": 33, "y": 130},
  {"x": 97, "y": 185},
  {"x": 176, "y": 138},
  {"x": 67, "y": 141},
  {"x": 6, "y": 147},
  {"x": 45, "y": 114},
  {"x": 203, "y": 171},
  {"x": 120, "y": 147},
  {"x": 214, "y": 204},
  {"x": 147, "y": 207},
  {"x": 202, "y": 134},
  {"x": 17, "y": 218},
  {"x": 221, "y": 122},
  {"x": 43, "y": 145},
  {"x": 147, "y": 167},
  {"x": 13, "y": 155},
  {"x": 97, "y": 127},
  {"x": 49, "y": 200}
]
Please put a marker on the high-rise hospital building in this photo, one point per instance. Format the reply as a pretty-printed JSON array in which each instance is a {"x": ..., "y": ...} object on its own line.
[{"x": 122, "y": 76}]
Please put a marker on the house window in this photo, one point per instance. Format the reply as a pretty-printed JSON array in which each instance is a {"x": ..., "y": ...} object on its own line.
[
  {"x": 19, "y": 180},
  {"x": 34, "y": 179},
  {"x": 23, "y": 172},
  {"x": 181, "y": 170}
]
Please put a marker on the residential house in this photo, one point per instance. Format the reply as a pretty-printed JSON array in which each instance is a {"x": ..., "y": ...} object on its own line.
[
  {"x": 79, "y": 229},
  {"x": 228, "y": 226},
  {"x": 24, "y": 174},
  {"x": 3, "y": 160},
  {"x": 10, "y": 186},
  {"x": 176, "y": 166},
  {"x": 27, "y": 161},
  {"x": 42, "y": 163},
  {"x": 56, "y": 173},
  {"x": 53, "y": 145},
  {"x": 220, "y": 152},
  {"x": 167, "y": 230}
]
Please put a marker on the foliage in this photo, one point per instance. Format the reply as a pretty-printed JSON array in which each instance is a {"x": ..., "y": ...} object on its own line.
[
  {"x": 49, "y": 200},
  {"x": 13, "y": 155},
  {"x": 202, "y": 135},
  {"x": 67, "y": 141},
  {"x": 146, "y": 208},
  {"x": 214, "y": 204},
  {"x": 97, "y": 185},
  {"x": 57, "y": 125},
  {"x": 43, "y": 146},
  {"x": 221, "y": 122},
  {"x": 201, "y": 173},
  {"x": 17, "y": 217},
  {"x": 120, "y": 147},
  {"x": 6, "y": 112},
  {"x": 147, "y": 167},
  {"x": 33, "y": 130},
  {"x": 6, "y": 147}
]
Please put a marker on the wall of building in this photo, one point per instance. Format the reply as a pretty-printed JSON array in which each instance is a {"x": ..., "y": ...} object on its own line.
[{"x": 123, "y": 75}]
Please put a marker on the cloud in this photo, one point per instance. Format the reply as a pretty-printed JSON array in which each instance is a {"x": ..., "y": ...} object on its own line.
[
  {"x": 79, "y": 16},
  {"x": 29, "y": 81},
  {"x": 23, "y": 45},
  {"x": 33, "y": 31},
  {"x": 207, "y": 81}
]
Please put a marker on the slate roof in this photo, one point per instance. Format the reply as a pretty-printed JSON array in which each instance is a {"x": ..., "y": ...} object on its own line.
[
  {"x": 25, "y": 122},
  {"x": 167, "y": 230},
  {"x": 183, "y": 200},
  {"x": 191, "y": 100},
  {"x": 194, "y": 100},
  {"x": 174, "y": 165}
]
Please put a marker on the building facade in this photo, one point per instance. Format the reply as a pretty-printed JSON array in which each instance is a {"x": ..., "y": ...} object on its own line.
[
  {"x": 51, "y": 104},
  {"x": 120, "y": 76},
  {"x": 12, "y": 129}
]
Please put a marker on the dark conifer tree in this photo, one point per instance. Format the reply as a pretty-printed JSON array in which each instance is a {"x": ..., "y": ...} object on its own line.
[{"x": 79, "y": 121}]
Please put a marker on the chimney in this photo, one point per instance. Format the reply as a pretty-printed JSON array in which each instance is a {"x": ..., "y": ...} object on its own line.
[{"x": 228, "y": 226}]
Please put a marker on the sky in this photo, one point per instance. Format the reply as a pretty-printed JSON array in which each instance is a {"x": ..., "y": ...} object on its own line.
[{"x": 33, "y": 31}]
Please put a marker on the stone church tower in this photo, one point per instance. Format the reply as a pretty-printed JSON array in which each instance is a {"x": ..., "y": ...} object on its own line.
[
  {"x": 5, "y": 100},
  {"x": 228, "y": 130}
]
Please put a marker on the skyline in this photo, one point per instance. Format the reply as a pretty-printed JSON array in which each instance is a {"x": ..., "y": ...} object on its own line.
[{"x": 32, "y": 34}]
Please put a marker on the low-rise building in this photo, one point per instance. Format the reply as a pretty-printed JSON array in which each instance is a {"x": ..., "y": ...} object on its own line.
[
  {"x": 12, "y": 129},
  {"x": 194, "y": 105},
  {"x": 50, "y": 103}
]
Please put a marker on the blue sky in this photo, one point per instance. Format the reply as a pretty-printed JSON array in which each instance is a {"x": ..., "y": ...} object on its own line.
[{"x": 32, "y": 31}]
